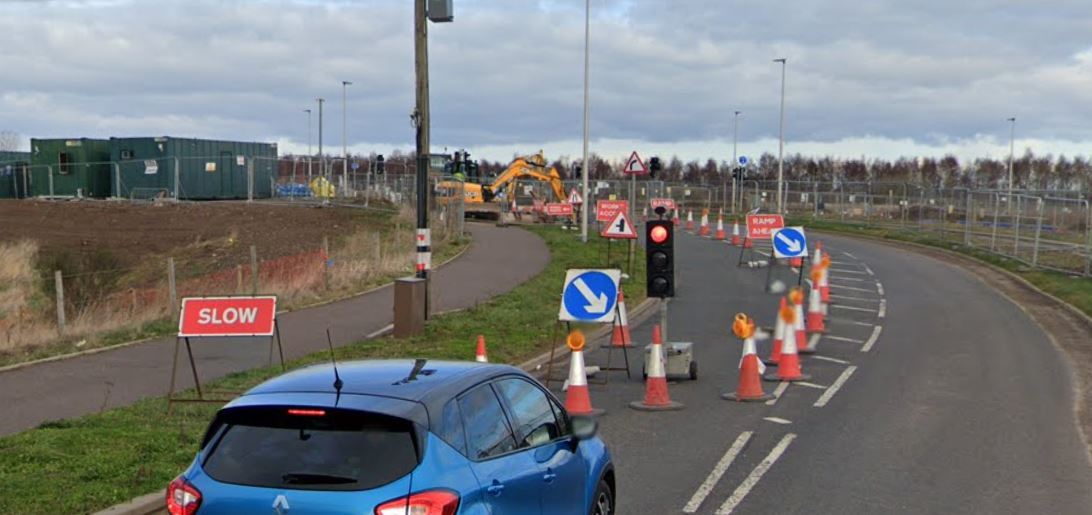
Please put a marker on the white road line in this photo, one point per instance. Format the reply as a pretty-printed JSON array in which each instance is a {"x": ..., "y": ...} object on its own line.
[
  {"x": 869, "y": 270},
  {"x": 745, "y": 487},
  {"x": 385, "y": 328},
  {"x": 850, "y": 255},
  {"x": 777, "y": 393},
  {"x": 778, "y": 420},
  {"x": 854, "y": 279},
  {"x": 879, "y": 287},
  {"x": 872, "y": 339},
  {"x": 851, "y": 288},
  {"x": 851, "y": 322},
  {"x": 832, "y": 360},
  {"x": 718, "y": 471},
  {"x": 883, "y": 308},
  {"x": 761, "y": 253},
  {"x": 847, "y": 297},
  {"x": 854, "y": 308},
  {"x": 844, "y": 271},
  {"x": 827, "y": 395},
  {"x": 841, "y": 339},
  {"x": 810, "y": 385}
]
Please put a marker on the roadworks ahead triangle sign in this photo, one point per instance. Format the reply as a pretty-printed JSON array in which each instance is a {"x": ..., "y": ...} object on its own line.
[
  {"x": 620, "y": 228},
  {"x": 574, "y": 198}
]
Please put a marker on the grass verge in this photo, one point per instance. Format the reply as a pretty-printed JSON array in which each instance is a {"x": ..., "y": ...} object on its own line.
[
  {"x": 1075, "y": 290},
  {"x": 89, "y": 463}
]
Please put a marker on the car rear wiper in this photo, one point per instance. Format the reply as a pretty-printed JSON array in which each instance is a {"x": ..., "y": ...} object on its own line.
[{"x": 316, "y": 479}]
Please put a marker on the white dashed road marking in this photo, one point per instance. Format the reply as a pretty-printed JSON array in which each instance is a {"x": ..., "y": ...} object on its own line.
[
  {"x": 872, "y": 339},
  {"x": 832, "y": 360},
  {"x": 778, "y": 420},
  {"x": 777, "y": 393},
  {"x": 810, "y": 385},
  {"x": 718, "y": 471},
  {"x": 756, "y": 475},
  {"x": 854, "y": 308},
  {"x": 883, "y": 308},
  {"x": 846, "y": 297},
  {"x": 854, "y": 279},
  {"x": 850, "y": 322},
  {"x": 879, "y": 287},
  {"x": 827, "y": 395},
  {"x": 851, "y": 288},
  {"x": 869, "y": 270},
  {"x": 841, "y": 339},
  {"x": 844, "y": 271}
]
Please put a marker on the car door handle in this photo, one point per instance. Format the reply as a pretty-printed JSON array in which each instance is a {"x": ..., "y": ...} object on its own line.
[
  {"x": 495, "y": 489},
  {"x": 549, "y": 477}
]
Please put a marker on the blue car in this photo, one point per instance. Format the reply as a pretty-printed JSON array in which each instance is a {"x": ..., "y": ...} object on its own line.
[{"x": 398, "y": 437}]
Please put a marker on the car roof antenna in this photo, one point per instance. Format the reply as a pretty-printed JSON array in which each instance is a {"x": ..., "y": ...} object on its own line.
[{"x": 337, "y": 378}]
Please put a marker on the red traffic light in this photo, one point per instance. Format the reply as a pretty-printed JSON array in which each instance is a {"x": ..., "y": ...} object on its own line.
[{"x": 658, "y": 234}]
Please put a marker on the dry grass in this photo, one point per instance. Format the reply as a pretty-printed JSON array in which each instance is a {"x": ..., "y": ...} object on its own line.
[{"x": 18, "y": 284}]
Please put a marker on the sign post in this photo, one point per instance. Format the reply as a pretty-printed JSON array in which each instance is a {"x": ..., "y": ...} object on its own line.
[{"x": 231, "y": 317}]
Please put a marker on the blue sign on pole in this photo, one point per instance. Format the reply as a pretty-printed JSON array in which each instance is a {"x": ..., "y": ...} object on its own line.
[
  {"x": 790, "y": 242},
  {"x": 589, "y": 295},
  {"x": 743, "y": 161},
  {"x": 355, "y": 165}
]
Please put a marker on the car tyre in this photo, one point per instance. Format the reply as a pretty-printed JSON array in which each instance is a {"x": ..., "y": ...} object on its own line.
[
  {"x": 603, "y": 501},
  {"x": 693, "y": 370}
]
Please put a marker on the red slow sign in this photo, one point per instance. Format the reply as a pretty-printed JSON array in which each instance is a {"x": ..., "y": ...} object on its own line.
[
  {"x": 762, "y": 227},
  {"x": 666, "y": 203},
  {"x": 227, "y": 316},
  {"x": 556, "y": 209},
  {"x": 606, "y": 210}
]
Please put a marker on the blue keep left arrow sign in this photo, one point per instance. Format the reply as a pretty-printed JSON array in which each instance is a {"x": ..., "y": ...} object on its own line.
[{"x": 790, "y": 242}]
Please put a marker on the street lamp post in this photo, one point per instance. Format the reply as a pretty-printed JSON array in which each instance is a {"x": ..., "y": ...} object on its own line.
[
  {"x": 735, "y": 157},
  {"x": 310, "y": 155},
  {"x": 344, "y": 138},
  {"x": 1012, "y": 151},
  {"x": 322, "y": 156},
  {"x": 584, "y": 168},
  {"x": 781, "y": 142}
]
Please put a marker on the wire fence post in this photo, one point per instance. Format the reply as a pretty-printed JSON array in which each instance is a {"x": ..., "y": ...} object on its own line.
[
  {"x": 996, "y": 214},
  {"x": 1016, "y": 225},
  {"x": 1038, "y": 232},
  {"x": 253, "y": 270},
  {"x": 58, "y": 282},
  {"x": 326, "y": 262},
  {"x": 967, "y": 215},
  {"x": 172, "y": 288},
  {"x": 177, "y": 176}
]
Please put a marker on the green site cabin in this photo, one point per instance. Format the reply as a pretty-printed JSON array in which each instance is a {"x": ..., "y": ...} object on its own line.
[
  {"x": 13, "y": 170},
  {"x": 205, "y": 169},
  {"x": 70, "y": 167}
]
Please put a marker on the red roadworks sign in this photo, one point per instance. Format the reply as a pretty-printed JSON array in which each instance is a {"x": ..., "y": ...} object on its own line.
[
  {"x": 762, "y": 227},
  {"x": 606, "y": 210},
  {"x": 556, "y": 209},
  {"x": 666, "y": 203},
  {"x": 227, "y": 316}
]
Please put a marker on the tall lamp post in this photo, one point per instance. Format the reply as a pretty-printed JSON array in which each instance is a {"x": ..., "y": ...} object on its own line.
[
  {"x": 781, "y": 142},
  {"x": 584, "y": 164},
  {"x": 310, "y": 155},
  {"x": 322, "y": 155},
  {"x": 1012, "y": 152},
  {"x": 344, "y": 138},
  {"x": 735, "y": 157}
]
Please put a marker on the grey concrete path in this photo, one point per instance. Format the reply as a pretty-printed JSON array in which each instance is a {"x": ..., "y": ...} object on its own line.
[{"x": 498, "y": 260}]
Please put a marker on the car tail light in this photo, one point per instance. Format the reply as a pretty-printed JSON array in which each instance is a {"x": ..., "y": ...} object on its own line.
[
  {"x": 431, "y": 502},
  {"x": 182, "y": 497}
]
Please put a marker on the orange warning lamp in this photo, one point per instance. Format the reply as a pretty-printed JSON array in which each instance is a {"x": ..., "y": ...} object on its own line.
[
  {"x": 796, "y": 296},
  {"x": 816, "y": 275},
  {"x": 788, "y": 315},
  {"x": 658, "y": 234},
  {"x": 575, "y": 341},
  {"x": 744, "y": 326}
]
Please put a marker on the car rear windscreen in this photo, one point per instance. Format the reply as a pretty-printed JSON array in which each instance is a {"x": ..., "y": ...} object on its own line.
[{"x": 309, "y": 448}]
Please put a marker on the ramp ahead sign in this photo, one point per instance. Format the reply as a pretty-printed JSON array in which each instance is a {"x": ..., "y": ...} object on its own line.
[{"x": 227, "y": 316}]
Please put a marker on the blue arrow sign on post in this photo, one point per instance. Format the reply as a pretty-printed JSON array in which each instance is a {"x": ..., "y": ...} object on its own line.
[
  {"x": 589, "y": 295},
  {"x": 790, "y": 242},
  {"x": 743, "y": 160}
]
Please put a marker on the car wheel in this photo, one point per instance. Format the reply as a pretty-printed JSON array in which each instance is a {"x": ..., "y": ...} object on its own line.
[
  {"x": 693, "y": 370},
  {"x": 603, "y": 502}
]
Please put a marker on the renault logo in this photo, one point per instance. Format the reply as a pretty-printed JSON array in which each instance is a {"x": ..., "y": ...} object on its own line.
[{"x": 280, "y": 505}]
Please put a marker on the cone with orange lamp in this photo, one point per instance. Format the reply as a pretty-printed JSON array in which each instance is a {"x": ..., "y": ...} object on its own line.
[
  {"x": 577, "y": 399},
  {"x": 751, "y": 368},
  {"x": 788, "y": 367}
]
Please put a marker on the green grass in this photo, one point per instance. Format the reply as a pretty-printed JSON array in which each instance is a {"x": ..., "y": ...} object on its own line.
[
  {"x": 1075, "y": 290},
  {"x": 90, "y": 463}
]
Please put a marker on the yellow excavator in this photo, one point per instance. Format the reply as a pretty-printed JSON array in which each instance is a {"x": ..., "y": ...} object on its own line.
[{"x": 489, "y": 200}]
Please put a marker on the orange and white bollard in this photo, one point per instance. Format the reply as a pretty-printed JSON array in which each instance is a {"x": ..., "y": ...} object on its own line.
[
  {"x": 619, "y": 336},
  {"x": 815, "y": 306},
  {"x": 690, "y": 220},
  {"x": 720, "y": 234},
  {"x": 704, "y": 230},
  {"x": 778, "y": 336},
  {"x": 577, "y": 399},
  {"x": 480, "y": 356},
  {"x": 735, "y": 232},
  {"x": 788, "y": 368},
  {"x": 751, "y": 368},
  {"x": 656, "y": 397}
]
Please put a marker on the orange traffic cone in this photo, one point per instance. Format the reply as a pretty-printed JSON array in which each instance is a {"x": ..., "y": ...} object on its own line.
[
  {"x": 747, "y": 244},
  {"x": 481, "y": 357},
  {"x": 656, "y": 397},
  {"x": 720, "y": 235},
  {"x": 818, "y": 252},
  {"x": 690, "y": 220},
  {"x": 815, "y": 308},
  {"x": 778, "y": 336},
  {"x": 577, "y": 400},
  {"x": 704, "y": 230},
  {"x": 619, "y": 336},
  {"x": 750, "y": 367},
  {"x": 824, "y": 281},
  {"x": 796, "y": 262},
  {"x": 788, "y": 368},
  {"x": 676, "y": 218},
  {"x": 796, "y": 297},
  {"x": 735, "y": 232}
]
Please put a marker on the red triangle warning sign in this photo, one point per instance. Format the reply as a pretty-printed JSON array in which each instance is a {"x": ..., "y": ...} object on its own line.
[
  {"x": 634, "y": 166},
  {"x": 574, "y": 198},
  {"x": 620, "y": 228}
]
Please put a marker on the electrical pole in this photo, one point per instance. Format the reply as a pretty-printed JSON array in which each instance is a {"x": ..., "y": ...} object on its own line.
[
  {"x": 421, "y": 119},
  {"x": 310, "y": 154},
  {"x": 344, "y": 138},
  {"x": 735, "y": 158},
  {"x": 781, "y": 143},
  {"x": 587, "y": 205},
  {"x": 322, "y": 155}
]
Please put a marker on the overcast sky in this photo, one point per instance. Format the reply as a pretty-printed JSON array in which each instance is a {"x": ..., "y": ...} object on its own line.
[{"x": 877, "y": 78}]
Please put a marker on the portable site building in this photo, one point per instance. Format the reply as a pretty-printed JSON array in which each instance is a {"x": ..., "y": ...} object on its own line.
[
  {"x": 14, "y": 180},
  {"x": 192, "y": 169},
  {"x": 70, "y": 167}
]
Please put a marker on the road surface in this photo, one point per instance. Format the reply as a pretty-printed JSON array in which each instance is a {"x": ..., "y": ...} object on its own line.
[
  {"x": 930, "y": 393},
  {"x": 118, "y": 377}
]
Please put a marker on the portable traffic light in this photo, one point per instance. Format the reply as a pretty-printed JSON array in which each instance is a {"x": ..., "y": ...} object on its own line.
[
  {"x": 379, "y": 164},
  {"x": 660, "y": 258},
  {"x": 654, "y": 166}
]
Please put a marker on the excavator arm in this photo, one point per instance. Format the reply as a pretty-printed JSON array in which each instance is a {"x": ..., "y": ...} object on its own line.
[{"x": 533, "y": 167}]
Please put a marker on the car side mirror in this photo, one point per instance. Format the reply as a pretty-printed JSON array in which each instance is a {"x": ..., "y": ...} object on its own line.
[{"x": 584, "y": 428}]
